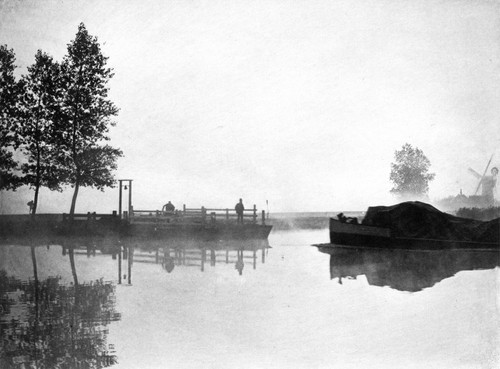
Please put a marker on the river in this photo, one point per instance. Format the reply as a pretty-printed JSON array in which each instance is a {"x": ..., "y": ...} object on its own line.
[{"x": 287, "y": 306}]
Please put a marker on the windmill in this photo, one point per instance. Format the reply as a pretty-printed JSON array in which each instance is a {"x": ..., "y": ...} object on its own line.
[{"x": 479, "y": 176}]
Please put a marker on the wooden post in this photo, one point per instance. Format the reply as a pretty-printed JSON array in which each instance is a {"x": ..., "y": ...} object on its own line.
[
  {"x": 203, "y": 257},
  {"x": 130, "y": 197},
  {"x": 120, "y": 199},
  {"x": 120, "y": 265},
  {"x": 227, "y": 215},
  {"x": 130, "y": 257},
  {"x": 203, "y": 215},
  {"x": 263, "y": 255},
  {"x": 212, "y": 218},
  {"x": 227, "y": 256},
  {"x": 263, "y": 217},
  {"x": 254, "y": 258},
  {"x": 212, "y": 257},
  {"x": 157, "y": 254},
  {"x": 254, "y": 214}
]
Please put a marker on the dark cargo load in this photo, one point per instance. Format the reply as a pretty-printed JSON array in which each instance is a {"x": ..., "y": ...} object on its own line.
[{"x": 416, "y": 219}]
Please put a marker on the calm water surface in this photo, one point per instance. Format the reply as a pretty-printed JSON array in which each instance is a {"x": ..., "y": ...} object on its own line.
[{"x": 290, "y": 306}]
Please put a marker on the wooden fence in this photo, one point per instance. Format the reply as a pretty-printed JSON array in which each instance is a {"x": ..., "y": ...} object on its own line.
[{"x": 202, "y": 216}]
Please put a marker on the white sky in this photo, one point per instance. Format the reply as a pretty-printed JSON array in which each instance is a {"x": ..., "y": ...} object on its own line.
[{"x": 301, "y": 103}]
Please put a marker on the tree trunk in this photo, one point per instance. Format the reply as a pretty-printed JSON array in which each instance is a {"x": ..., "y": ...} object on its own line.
[
  {"x": 73, "y": 268},
  {"x": 35, "y": 202},
  {"x": 73, "y": 201},
  {"x": 38, "y": 174},
  {"x": 35, "y": 273},
  {"x": 37, "y": 303}
]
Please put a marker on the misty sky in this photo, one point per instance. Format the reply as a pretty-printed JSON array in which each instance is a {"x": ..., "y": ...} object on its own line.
[{"x": 301, "y": 103}]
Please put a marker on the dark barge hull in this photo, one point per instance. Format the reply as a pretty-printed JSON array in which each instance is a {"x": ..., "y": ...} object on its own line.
[{"x": 376, "y": 237}]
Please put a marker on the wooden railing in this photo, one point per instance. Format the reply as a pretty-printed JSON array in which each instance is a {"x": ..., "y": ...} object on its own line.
[
  {"x": 89, "y": 216},
  {"x": 203, "y": 216}
]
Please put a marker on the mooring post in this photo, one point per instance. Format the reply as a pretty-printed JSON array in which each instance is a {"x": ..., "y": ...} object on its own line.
[
  {"x": 227, "y": 256},
  {"x": 263, "y": 217},
  {"x": 263, "y": 254},
  {"x": 203, "y": 215},
  {"x": 254, "y": 258},
  {"x": 254, "y": 214},
  {"x": 203, "y": 257},
  {"x": 227, "y": 215}
]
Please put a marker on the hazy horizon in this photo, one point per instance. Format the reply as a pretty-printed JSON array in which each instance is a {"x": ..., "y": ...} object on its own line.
[{"x": 299, "y": 103}]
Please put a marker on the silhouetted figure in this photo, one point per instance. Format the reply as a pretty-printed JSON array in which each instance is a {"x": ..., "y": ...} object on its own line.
[
  {"x": 239, "y": 211},
  {"x": 31, "y": 205},
  {"x": 342, "y": 218},
  {"x": 239, "y": 264},
  {"x": 168, "y": 263},
  {"x": 168, "y": 207}
]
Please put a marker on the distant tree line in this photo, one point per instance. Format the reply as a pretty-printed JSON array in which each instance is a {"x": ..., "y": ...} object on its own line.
[{"x": 54, "y": 121}]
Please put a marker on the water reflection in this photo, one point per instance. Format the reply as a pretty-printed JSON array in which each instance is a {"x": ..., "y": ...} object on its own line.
[
  {"x": 405, "y": 270},
  {"x": 45, "y": 324},
  {"x": 201, "y": 254},
  {"x": 63, "y": 321}
]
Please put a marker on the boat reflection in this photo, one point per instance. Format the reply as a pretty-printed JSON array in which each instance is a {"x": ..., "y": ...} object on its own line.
[{"x": 405, "y": 270}]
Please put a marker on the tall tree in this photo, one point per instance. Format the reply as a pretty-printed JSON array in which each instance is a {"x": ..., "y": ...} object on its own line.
[
  {"x": 410, "y": 172},
  {"x": 8, "y": 137},
  {"x": 39, "y": 111},
  {"x": 87, "y": 116}
]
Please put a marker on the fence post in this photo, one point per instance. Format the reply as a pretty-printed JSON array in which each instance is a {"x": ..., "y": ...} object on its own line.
[
  {"x": 254, "y": 214},
  {"x": 263, "y": 217}
]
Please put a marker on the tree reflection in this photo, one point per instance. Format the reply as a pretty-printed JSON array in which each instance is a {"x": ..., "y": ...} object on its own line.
[{"x": 44, "y": 324}]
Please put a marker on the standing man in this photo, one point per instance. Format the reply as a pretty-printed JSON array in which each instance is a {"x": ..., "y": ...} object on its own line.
[{"x": 239, "y": 211}]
